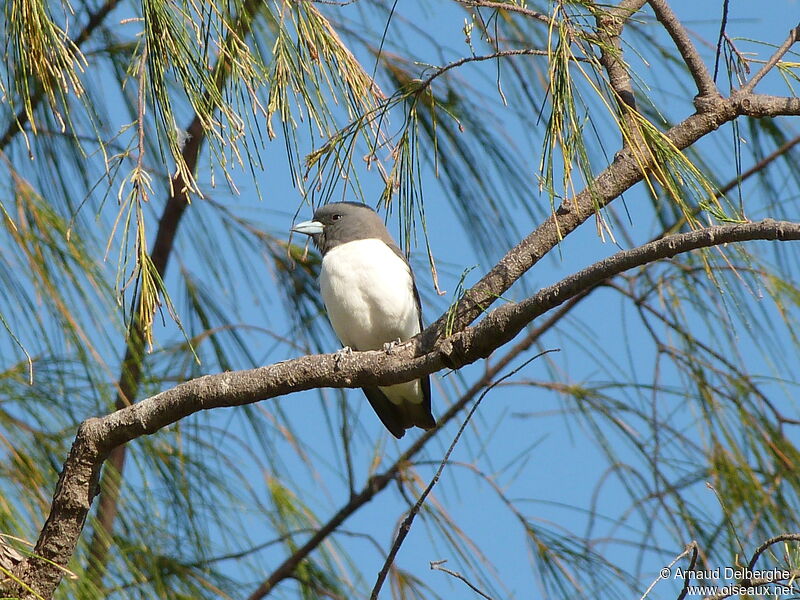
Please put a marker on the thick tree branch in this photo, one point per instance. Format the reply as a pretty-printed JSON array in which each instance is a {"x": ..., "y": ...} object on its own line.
[
  {"x": 96, "y": 437},
  {"x": 502, "y": 324}
]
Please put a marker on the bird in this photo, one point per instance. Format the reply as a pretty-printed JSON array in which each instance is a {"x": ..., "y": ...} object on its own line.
[{"x": 372, "y": 301}]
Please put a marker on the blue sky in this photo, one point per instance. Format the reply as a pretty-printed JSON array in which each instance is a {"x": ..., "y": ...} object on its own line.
[
  {"x": 539, "y": 447},
  {"x": 565, "y": 475},
  {"x": 561, "y": 478}
]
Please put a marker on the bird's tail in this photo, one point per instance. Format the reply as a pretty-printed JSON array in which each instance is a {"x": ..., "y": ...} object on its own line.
[
  {"x": 417, "y": 415},
  {"x": 388, "y": 412},
  {"x": 403, "y": 406}
]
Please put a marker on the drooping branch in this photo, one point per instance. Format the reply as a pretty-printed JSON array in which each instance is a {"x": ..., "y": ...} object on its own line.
[
  {"x": 95, "y": 20},
  {"x": 97, "y": 437},
  {"x": 132, "y": 364}
]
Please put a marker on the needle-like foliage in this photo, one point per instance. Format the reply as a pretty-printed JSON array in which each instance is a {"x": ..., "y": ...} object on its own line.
[{"x": 155, "y": 154}]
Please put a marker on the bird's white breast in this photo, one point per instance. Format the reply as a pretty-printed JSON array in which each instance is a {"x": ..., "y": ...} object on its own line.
[{"x": 368, "y": 292}]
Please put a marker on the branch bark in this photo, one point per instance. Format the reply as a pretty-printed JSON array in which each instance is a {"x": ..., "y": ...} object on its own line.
[
  {"x": 610, "y": 22},
  {"x": 97, "y": 437}
]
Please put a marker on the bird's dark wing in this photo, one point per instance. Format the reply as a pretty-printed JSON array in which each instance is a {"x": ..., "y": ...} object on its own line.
[
  {"x": 402, "y": 256},
  {"x": 423, "y": 417}
]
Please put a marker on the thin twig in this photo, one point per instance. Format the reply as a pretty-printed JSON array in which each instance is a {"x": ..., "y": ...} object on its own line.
[
  {"x": 468, "y": 59},
  {"x": 666, "y": 571},
  {"x": 743, "y": 60},
  {"x": 515, "y": 8},
  {"x": 794, "y": 35},
  {"x": 437, "y": 566},
  {"x": 693, "y": 547},
  {"x": 141, "y": 109},
  {"x": 778, "y": 152},
  {"x": 785, "y": 537},
  {"x": 722, "y": 36},
  {"x": 406, "y": 525}
]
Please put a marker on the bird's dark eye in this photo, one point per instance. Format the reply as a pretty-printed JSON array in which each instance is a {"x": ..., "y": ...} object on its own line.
[{"x": 336, "y": 217}]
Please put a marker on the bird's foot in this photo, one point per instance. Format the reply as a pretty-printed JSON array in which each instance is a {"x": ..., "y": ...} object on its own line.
[
  {"x": 340, "y": 355},
  {"x": 389, "y": 347}
]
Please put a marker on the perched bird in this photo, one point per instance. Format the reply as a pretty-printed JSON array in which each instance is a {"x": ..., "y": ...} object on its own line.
[{"x": 369, "y": 293}]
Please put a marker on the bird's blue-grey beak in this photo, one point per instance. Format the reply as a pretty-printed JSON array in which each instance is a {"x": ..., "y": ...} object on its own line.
[{"x": 308, "y": 227}]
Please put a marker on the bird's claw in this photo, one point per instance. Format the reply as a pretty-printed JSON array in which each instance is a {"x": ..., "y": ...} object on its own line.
[
  {"x": 388, "y": 347},
  {"x": 341, "y": 355}
]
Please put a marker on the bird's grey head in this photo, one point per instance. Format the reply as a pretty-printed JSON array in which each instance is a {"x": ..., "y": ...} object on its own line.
[{"x": 341, "y": 222}]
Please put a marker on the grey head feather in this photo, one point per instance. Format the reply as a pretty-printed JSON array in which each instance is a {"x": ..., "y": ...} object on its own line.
[
  {"x": 344, "y": 222},
  {"x": 347, "y": 222}
]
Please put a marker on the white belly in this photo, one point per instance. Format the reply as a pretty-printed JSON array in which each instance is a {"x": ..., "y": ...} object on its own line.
[{"x": 368, "y": 292}]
